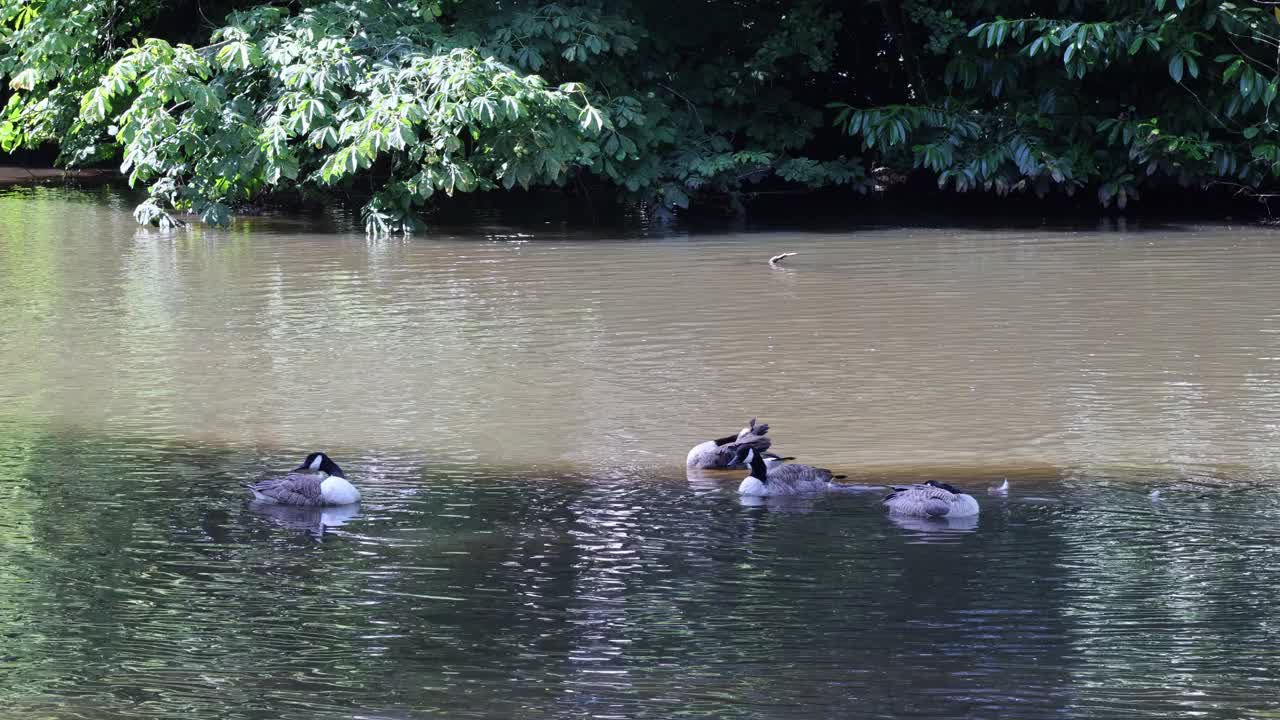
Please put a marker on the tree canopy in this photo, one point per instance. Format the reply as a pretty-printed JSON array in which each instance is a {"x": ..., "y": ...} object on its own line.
[{"x": 211, "y": 106}]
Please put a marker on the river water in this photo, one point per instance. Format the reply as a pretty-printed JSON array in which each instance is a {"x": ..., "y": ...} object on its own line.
[{"x": 516, "y": 403}]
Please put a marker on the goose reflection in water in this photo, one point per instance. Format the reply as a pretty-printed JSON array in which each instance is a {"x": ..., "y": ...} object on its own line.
[
  {"x": 780, "y": 503},
  {"x": 702, "y": 481},
  {"x": 313, "y": 520},
  {"x": 935, "y": 529}
]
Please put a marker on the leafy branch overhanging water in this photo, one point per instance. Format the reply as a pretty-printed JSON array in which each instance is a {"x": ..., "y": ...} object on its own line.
[{"x": 215, "y": 105}]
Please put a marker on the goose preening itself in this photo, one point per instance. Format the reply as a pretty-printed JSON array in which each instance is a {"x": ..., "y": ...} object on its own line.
[
  {"x": 773, "y": 261},
  {"x": 317, "y": 481},
  {"x": 778, "y": 478},
  {"x": 727, "y": 452},
  {"x": 930, "y": 499}
]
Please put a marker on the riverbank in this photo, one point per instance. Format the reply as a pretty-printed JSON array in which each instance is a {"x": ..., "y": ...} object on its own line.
[
  {"x": 21, "y": 175},
  {"x": 910, "y": 203}
]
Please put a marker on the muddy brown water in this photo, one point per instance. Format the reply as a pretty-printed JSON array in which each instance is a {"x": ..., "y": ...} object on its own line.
[{"x": 516, "y": 404}]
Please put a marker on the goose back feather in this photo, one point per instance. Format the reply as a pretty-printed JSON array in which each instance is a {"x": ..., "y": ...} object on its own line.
[{"x": 930, "y": 499}]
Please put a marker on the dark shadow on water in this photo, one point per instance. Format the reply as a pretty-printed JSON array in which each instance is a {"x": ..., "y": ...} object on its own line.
[{"x": 559, "y": 221}]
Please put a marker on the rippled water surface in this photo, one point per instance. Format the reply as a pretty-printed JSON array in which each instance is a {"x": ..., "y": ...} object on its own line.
[{"x": 516, "y": 403}]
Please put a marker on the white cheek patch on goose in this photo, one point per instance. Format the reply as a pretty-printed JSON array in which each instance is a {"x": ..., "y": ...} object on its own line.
[{"x": 315, "y": 464}]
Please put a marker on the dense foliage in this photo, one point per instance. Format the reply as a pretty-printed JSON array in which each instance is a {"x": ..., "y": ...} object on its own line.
[{"x": 668, "y": 101}]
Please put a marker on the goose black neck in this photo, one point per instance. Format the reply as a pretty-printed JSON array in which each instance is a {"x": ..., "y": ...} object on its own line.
[
  {"x": 332, "y": 468},
  {"x": 759, "y": 470}
]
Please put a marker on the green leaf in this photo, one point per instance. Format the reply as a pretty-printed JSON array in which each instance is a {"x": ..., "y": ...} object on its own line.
[
  {"x": 590, "y": 119},
  {"x": 239, "y": 55},
  {"x": 484, "y": 110},
  {"x": 1175, "y": 67},
  {"x": 26, "y": 79},
  {"x": 94, "y": 107},
  {"x": 511, "y": 106},
  {"x": 1232, "y": 70}
]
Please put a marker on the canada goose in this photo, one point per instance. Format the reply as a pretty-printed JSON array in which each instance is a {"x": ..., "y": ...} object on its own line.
[
  {"x": 781, "y": 478},
  {"x": 930, "y": 499},
  {"x": 726, "y": 452},
  {"x": 317, "y": 481}
]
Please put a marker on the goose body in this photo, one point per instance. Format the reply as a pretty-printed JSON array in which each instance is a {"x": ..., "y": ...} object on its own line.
[
  {"x": 726, "y": 452},
  {"x": 778, "y": 478},
  {"x": 930, "y": 499},
  {"x": 318, "y": 481}
]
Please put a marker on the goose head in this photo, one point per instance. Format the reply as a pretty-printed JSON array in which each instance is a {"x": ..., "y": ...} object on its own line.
[
  {"x": 759, "y": 468},
  {"x": 753, "y": 429},
  {"x": 756, "y": 483},
  {"x": 319, "y": 462}
]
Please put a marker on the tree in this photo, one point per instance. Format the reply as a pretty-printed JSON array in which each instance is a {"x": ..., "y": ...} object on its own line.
[
  {"x": 666, "y": 102},
  {"x": 1112, "y": 96}
]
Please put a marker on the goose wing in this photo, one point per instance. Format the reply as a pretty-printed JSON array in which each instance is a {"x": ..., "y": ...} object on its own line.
[
  {"x": 798, "y": 479},
  {"x": 799, "y": 472},
  {"x": 923, "y": 500},
  {"x": 293, "y": 489},
  {"x": 759, "y": 443},
  {"x": 722, "y": 456},
  {"x": 723, "y": 453}
]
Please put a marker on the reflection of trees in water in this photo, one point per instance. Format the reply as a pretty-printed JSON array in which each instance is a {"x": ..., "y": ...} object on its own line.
[
  {"x": 650, "y": 555},
  {"x": 780, "y": 610},
  {"x": 22, "y": 596},
  {"x": 98, "y": 581},
  {"x": 141, "y": 580},
  {"x": 1168, "y": 603},
  {"x": 154, "y": 591},
  {"x": 970, "y": 618}
]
